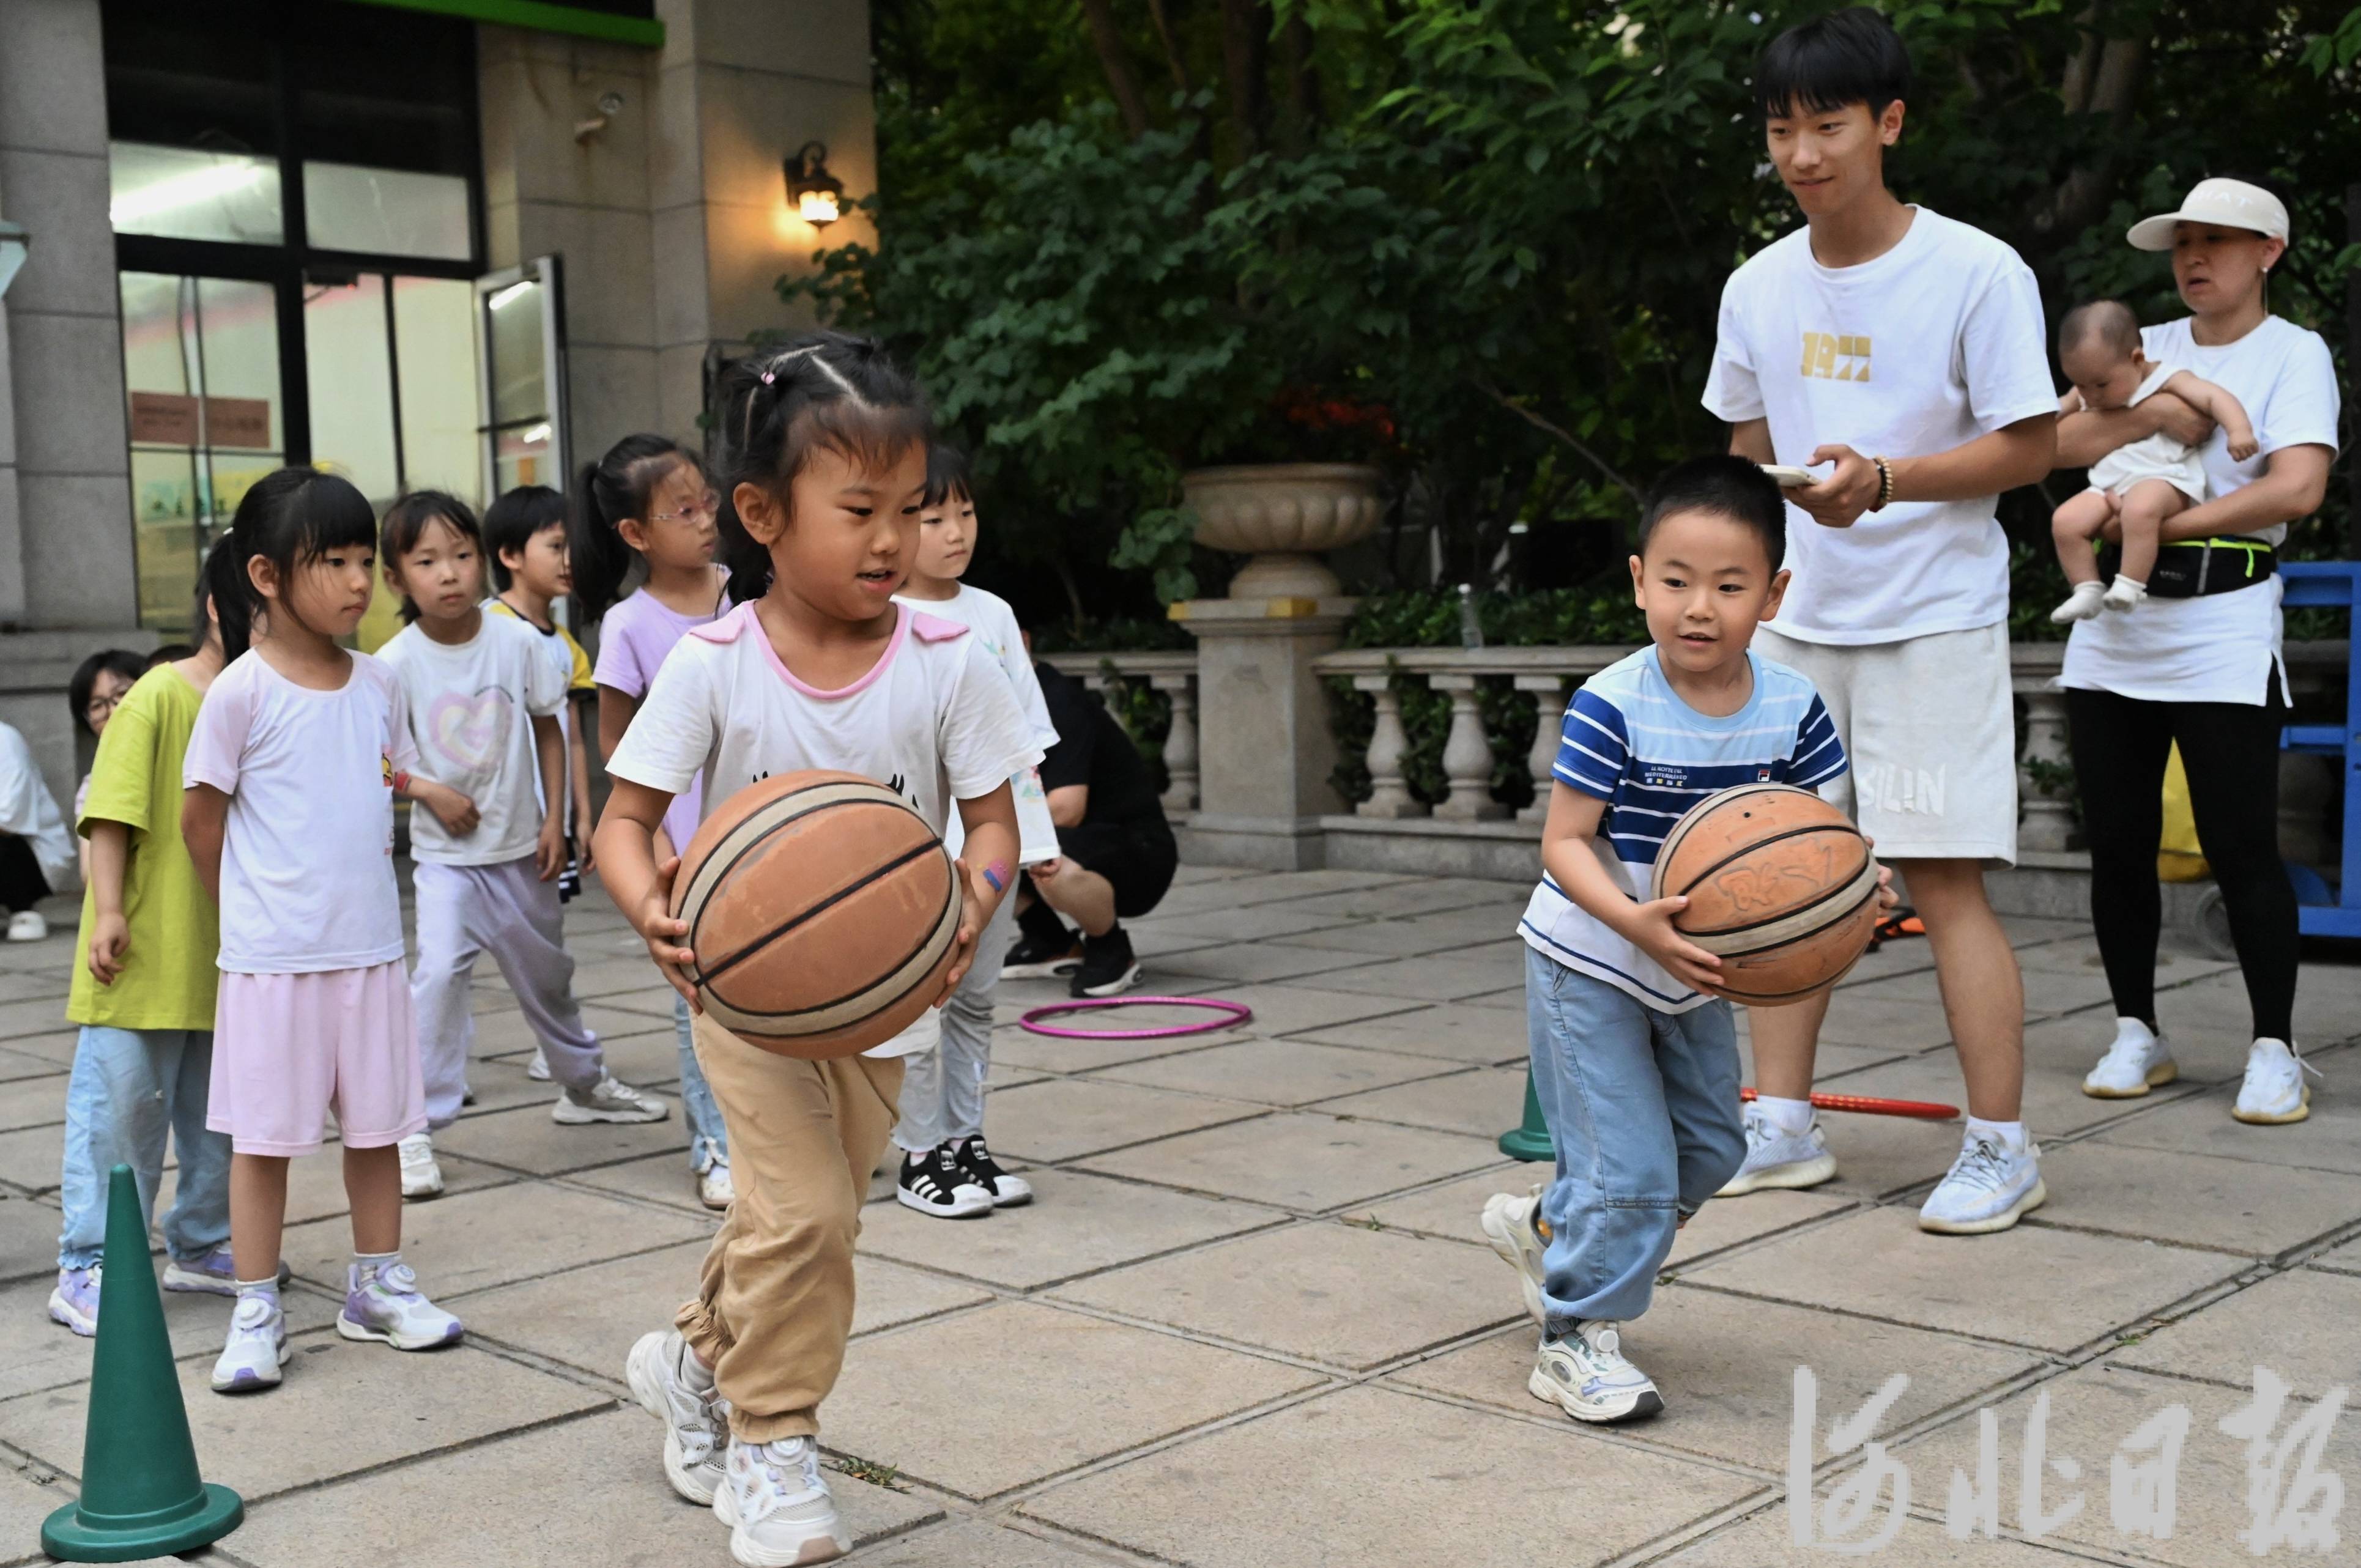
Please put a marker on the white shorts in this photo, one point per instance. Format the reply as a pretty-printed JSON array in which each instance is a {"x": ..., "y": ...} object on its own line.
[
  {"x": 2157, "y": 457},
  {"x": 1930, "y": 730}
]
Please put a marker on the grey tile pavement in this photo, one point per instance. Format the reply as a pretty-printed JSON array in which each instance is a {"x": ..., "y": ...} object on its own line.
[{"x": 1249, "y": 1320}]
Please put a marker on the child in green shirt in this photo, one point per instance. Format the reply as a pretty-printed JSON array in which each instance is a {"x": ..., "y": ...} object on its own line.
[{"x": 143, "y": 991}]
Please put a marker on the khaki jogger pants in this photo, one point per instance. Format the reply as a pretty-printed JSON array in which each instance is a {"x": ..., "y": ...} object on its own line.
[{"x": 775, "y": 1303}]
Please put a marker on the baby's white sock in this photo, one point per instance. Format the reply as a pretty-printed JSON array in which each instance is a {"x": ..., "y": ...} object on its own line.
[{"x": 2085, "y": 602}]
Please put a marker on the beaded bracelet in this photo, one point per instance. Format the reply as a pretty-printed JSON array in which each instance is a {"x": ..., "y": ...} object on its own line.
[{"x": 1884, "y": 485}]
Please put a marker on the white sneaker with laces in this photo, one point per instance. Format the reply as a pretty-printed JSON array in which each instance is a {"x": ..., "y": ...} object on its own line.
[
  {"x": 1989, "y": 1188},
  {"x": 608, "y": 1100},
  {"x": 1780, "y": 1159},
  {"x": 256, "y": 1347},
  {"x": 2138, "y": 1062},
  {"x": 420, "y": 1176},
  {"x": 696, "y": 1425},
  {"x": 778, "y": 1509},
  {"x": 2274, "y": 1093},
  {"x": 1512, "y": 1226},
  {"x": 537, "y": 1070},
  {"x": 714, "y": 1188},
  {"x": 1585, "y": 1374},
  {"x": 27, "y": 925}
]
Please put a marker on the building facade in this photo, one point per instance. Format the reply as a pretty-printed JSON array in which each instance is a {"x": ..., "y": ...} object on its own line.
[{"x": 457, "y": 243}]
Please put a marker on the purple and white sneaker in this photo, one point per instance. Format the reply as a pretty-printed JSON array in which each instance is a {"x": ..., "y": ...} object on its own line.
[
  {"x": 384, "y": 1305},
  {"x": 76, "y": 1301},
  {"x": 258, "y": 1346},
  {"x": 212, "y": 1272}
]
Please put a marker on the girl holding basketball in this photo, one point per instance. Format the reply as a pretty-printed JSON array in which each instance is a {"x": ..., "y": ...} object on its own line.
[
  {"x": 646, "y": 508},
  {"x": 824, "y": 470},
  {"x": 290, "y": 773}
]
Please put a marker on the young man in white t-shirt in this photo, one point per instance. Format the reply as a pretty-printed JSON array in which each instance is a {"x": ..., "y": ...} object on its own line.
[{"x": 1900, "y": 355}]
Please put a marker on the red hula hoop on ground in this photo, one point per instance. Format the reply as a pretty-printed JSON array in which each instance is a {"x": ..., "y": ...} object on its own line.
[
  {"x": 1233, "y": 1014},
  {"x": 1868, "y": 1104}
]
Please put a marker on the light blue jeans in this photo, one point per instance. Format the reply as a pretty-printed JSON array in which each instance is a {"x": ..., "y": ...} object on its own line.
[
  {"x": 942, "y": 1090},
  {"x": 709, "y": 1140},
  {"x": 1643, "y": 1110},
  {"x": 129, "y": 1088}
]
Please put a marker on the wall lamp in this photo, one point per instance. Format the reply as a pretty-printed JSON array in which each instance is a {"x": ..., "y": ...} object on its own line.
[{"x": 817, "y": 195}]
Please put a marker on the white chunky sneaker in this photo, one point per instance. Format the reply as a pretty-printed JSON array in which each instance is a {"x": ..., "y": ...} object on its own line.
[
  {"x": 1512, "y": 1226},
  {"x": 1585, "y": 1374},
  {"x": 2274, "y": 1093},
  {"x": 537, "y": 1070},
  {"x": 420, "y": 1176},
  {"x": 256, "y": 1347},
  {"x": 714, "y": 1188},
  {"x": 608, "y": 1100},
  {"x": 777, "y": 1508},
  {"x": 1780, "y": 1159},
  {"x": 1989, "y": 1188},
  {"x": 696, "y": 1425},
  {"x": 384, "y": 1305},
  {"x": 2138, "y": 1062}
]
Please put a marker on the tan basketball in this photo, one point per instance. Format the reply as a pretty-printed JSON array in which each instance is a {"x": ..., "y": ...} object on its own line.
[
  {"x": 822, "y": 911},
  {"x": 1781, "y": 886}
]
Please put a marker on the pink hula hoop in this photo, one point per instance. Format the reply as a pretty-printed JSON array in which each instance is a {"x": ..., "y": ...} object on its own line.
[{"x": 1232, "y": 1013}]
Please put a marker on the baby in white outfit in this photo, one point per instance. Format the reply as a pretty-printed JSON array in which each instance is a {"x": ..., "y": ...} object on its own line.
[{"x": 2140, "y": 484}]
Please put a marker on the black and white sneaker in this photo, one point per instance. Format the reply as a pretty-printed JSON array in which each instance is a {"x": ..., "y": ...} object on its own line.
[
  {"x": 1032, "y": 959},
  {"x": 1007, "y": 1191},
  {"x": 1108, "y": 968},
  {"x": 934, "y": 1183}
]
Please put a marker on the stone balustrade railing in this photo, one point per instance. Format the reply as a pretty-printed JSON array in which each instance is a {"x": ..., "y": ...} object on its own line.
[
  {"x": 1470, "y": 812},
  {"x": 1174, "y": 675}
]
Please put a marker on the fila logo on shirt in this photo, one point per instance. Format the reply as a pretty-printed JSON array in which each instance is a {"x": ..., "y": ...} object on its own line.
[{"x": 1835, "y": 356}]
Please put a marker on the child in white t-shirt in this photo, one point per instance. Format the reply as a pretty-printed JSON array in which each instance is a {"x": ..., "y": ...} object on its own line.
[
  {"x": 2137, "y": 486},
  {"x": 823, "y": 472},
  {"x": 947, "y": 1169},
  {"x": 291, "y": 775},
  {"x": 527, "y": 553},
  {"x": 483, "y": 698}
]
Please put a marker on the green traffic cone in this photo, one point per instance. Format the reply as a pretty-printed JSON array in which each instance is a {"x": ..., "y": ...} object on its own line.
[
  {"x": 1530, "y": 1139},
  {"x": 141, "y": 1496}
]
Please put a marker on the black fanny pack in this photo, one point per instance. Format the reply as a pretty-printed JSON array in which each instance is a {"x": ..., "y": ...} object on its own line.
[{"x": 2193, "y": 569}]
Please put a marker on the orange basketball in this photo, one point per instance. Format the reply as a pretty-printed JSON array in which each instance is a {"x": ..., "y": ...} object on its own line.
[
  {"x": 822, "y": 911},
  {"x": 1781, "y": 888}
]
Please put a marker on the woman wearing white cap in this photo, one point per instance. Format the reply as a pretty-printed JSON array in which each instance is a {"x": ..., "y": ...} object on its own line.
[{"x": 2199, "y": 664}]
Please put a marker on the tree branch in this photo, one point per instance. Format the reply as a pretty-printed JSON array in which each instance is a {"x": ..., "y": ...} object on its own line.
[
  {"x": 1245, "y": 46},
  {"x": 1121, "y": 81},
  {"x": 1560, "y": 434},
  {"x": 1172, "y": 61}
]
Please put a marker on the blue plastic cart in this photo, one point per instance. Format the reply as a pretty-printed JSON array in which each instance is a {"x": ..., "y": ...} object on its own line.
[{"x": 2325, "y": 911}]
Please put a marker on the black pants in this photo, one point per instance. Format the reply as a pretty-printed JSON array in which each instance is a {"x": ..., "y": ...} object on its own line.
[
  {"x": 2231, "y": 751},
  {"x": 22, "y": 885}
]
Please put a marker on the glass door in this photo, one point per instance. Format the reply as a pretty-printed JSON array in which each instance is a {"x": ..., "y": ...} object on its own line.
[
  {"x": 522, "y": 315},
  {"x": 200, "y": 363}
]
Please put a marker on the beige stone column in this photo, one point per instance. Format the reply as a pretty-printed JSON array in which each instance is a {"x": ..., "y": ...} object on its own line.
[{"x": 1265, "y": 748}]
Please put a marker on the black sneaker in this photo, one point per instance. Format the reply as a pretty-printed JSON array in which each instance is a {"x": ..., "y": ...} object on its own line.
[
  {"x": 1007, "y": 1191},
  {"x": 1108, "y": 968},
  {"x": 933, "y": 1183},
  {"x": 1032, "y": 959}
]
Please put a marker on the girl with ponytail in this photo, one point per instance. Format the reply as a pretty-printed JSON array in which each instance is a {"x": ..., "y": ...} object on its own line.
[
  {"x": 824, "y": 470},
  {"x": 644, "y": 515}
]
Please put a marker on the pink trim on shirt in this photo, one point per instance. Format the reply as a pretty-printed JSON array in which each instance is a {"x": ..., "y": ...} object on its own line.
[{"x": 730, "y": 627}]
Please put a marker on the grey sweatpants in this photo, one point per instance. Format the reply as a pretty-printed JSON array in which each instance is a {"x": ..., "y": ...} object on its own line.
[
  {"x": 942, "y": 1090},
  {"x": 509, "y": 912}
]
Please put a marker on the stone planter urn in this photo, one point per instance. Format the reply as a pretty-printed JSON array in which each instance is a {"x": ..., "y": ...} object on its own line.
[{"x": 1284, "y": 514}]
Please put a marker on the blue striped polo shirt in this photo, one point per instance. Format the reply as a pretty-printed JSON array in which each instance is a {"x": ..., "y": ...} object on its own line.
[{"x": 1630, "y": 741}]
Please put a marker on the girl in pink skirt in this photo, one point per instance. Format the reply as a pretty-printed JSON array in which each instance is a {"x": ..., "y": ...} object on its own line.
[{"x": 291, "y": 775}]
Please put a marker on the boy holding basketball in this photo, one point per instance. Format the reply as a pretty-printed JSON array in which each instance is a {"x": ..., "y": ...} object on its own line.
[
  {"x": 1902, "y": 355},
  {"x": 1635, "y": 1066}
]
